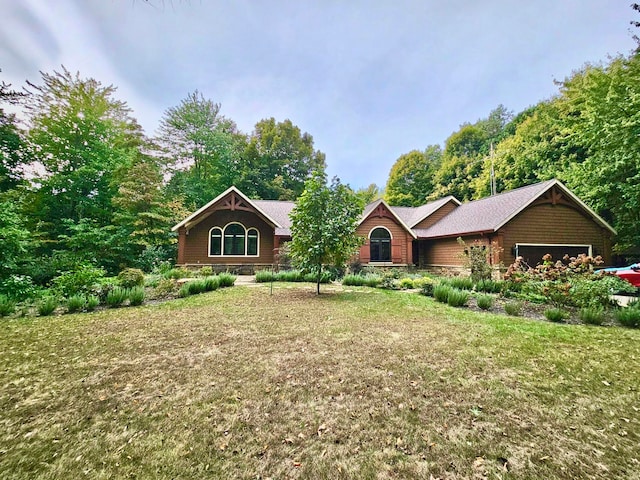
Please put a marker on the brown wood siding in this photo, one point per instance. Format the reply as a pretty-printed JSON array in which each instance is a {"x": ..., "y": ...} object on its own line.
[
  {"x": 401, "y": 247},
  {"x": 438, "y": 215},
  {"x": 554, "y": 224},
  {"x": 196, "y": 248},
  {"x": 447, "y": 251}
]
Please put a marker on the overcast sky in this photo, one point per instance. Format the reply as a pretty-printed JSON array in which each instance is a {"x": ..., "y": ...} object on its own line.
[{"x": 369, "y": 79}]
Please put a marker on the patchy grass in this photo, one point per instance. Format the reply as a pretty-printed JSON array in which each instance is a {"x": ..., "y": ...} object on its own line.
[{"x": 354, "y": 383}]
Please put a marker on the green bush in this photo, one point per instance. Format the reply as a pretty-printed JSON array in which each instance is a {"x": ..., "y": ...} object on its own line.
[
  {"x": 592, "y": 315},
  {"x": 556, "y": 315},
  {"x": 76, "y": 303},
  {"x": 131, "y": 277},
  {"x": 489, "y": 286},
  {"x": 513, "y": 308},
  {"x": 628, "y": 317},
  {"x": 265, "y": 276},
  {"x": 372, "y": 280},
  {"x": 116, "y": 297},
  {"x": 353, "y": 280},
  {"x": 226, "y": 280},
  {"x": 47, "y": 306},
  {"x": 441, "y": 292},
  {"x": 325, "y": 277},
  {"x": 290, "y": 276},
  {"x": 206, "y": 271},
  {"x": 18, "y": 287},
  {"x": 406, "y": 283},
  {"x": 7, "y": 306},
  {"x": 196, "y": 286},
  {"x": 596, "y": 290},
  {"x": 461, "y": 283},
  {"x": 136, "y": 296},
  {"x": 184, "y": 291},
  {"x": 457, "y": 297},
  {"x": 178, "y": 273},
  {"x": 84, "y": 280},
  {"x": 211, "y": 283},
  {"x": 634, "y": 303},
  {"x": 92, "y": 303},
  {"x": 485, "y": 302},
  {"x": 165, "y": 287}
]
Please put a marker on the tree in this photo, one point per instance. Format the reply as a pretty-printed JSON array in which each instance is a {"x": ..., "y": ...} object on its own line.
[
  {"x": 411, "y": 178},
  {"x": 323, "y": 225},
  {"x": 278, "y": 160},
  {"x": 202, "y": 149},
  {"x": 369, "y": 194},
  {"x": 12, "y": 153},
  {"x": 14, "y": 238}
]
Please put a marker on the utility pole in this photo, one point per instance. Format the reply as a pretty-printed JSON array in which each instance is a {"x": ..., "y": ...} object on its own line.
[{"x": 492, "y": 176}]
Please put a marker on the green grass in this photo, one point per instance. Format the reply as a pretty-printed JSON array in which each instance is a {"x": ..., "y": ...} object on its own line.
[{"x": 363, "y": 383}]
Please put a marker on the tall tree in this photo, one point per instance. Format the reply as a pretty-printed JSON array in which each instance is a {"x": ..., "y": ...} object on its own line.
[
  {"x": 81, "y": 135},
  {"x": 278, "y": 160},
  {"x": 12, "y": 152},
  {"x": 202, "y": 149},
  {"x": 411, "y": 178},
  {"x": 323, "y": 225},
  {"x": 369, "y": 194}
]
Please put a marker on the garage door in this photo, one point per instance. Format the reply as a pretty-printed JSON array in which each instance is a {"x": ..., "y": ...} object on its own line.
[{"x": 533, "y": 253}]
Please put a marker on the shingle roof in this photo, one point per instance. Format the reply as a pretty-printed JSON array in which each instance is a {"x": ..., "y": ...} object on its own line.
[
  {"x": 279, "y": 211},
  {"x": 414, "y": 215}
]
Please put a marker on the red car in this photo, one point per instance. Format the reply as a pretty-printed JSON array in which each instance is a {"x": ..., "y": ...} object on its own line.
[{"x": 631, "y": 273}]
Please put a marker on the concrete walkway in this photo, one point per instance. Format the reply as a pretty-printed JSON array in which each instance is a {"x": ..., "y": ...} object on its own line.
[{"x": 245, "y": 280}]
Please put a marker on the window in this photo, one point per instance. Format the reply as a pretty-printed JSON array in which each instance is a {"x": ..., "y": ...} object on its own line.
[
  {"x": 533, "y": 253},
  {"x": 215, "y": 241},
  {"x": 234, "y": 240},
  {"x": 380, "y": 245}
]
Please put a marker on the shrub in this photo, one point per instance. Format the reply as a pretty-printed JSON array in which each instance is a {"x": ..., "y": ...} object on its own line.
[
  {"x": 116, "y": 297},
  {"x": 290, "y": 276},
  {"x": 264, "y": 276},
  {"x": 18, "y": 287},
  {"x": 184, "y": 291},
  {"x": 131, "y": 277},
  {"x": 485, "y": 302},
  {"x": 406, "y": 283},
  {"x": 84, "y": 280},
  {"x": 513, "y": 308},
  {"x": 353, "y": 280},
  {"x": 489, "y": 286},
  {"x": 136, "y": 296},
  {"x": 325, "y": 277},
  {"x": 441, "y": 292},
  {"x": 195, "y": 287},
  {"x": 427, "y": 289},
  {"x": 556, "y": 315},
  {"x": 388, "y": 282},
  {"x": 628, "y": 317},
  {"x": 226, "y": 280},
  {"x": 47, "y": 306},
  {"x": 92, "y": 303},
  {"x": 206, "y": 271},
  {"x": 372, "y": 280},
  {"x": 7, "y": 306},
  {"x": 596, "y": 290},
  {"x": 592, "y": 315},
  {"x": 152, "y": 280},
  {"x": 76, "y": 303},
  {"x": 211, "y": 283},
  {"x": 178, "y": 273},
  {"x": 634, "y": 303},
  {"x": 165, "y": 287},
  {"x": 461, "y": 283},
  {"x": 457, "y": 297}
]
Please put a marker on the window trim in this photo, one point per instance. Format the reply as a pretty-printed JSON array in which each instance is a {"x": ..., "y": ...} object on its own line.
[
  {"x": 246, "y": 243},
  {"x": 390, "y": 245},
  {"x": 576, "y": 245}
]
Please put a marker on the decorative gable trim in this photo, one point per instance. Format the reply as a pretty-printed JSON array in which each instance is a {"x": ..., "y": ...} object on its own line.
[{"x": 381, "y": 209}]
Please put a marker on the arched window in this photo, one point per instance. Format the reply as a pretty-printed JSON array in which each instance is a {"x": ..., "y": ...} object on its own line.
[
  {"x": 215, "y": 241},
  {"x": 234, "y": 239},
  {"x": 252, "y": 241},
  {"x": 380, "y": 245}
]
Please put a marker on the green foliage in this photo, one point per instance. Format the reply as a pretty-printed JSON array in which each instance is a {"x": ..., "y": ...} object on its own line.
[
  {"x": 556, "y": 315},
  {"x": 47, "y": 305},
  {"x": 513, "y": 308},
  {"x": 18, "y": 287},
  {"x": 116, "y": 297},
  {"x": 265, "y": 276},
  {"x": 475, "y": 257},
  {"x": 411, "y": 177},
  {"x": 196, "y": 286},
  {"x": 597, "y": 291},
  {"x": 76, "y": 303},
  {"x": 184, "y": 291},
  {"x": 441, "y": 292},
  {"x": 92, "y": 303},
  {"x": 211, "y": 283},
  {"x": 136, "y": 295},
  {"x": 7, "y": 306},
  {"x": 592, "y": 315},
  {"x": 462, "y": 283},
  {"x": 485, "y": 302},
  {"x": 489, "y": 286},
  {"x": 323, "y": 226},
  {"x": 457, "y": 297},
  {"x": 206, "y": 271},
  {"x": 165, "y": 287},
  {"x": 178, "y": 273},
  {"x": 83, "y": 280},
  {"x": 131, "y": 277},
  {"x": 14, "y": 238},
  {"x": 427, "y": 287},
  {"x": 628, "y": 317},
  {"x": 226, "y": 280},
  {"x": 406, "y": 283}
]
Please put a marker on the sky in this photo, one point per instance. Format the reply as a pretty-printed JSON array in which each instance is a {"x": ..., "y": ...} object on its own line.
[{"x": 368, "y": 79}]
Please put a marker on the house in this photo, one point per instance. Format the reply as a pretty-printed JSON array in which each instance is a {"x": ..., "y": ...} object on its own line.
[{"x": 233, "y": 231}]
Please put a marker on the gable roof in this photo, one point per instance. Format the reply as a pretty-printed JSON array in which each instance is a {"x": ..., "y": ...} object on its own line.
[
  {"x": 492, "y": 213},
  {"x": 278, "y": 210},
  {"x": 194, "y": 219},
  {"x": 414, "y": 215},
  {"x": 372, "y": 206}
]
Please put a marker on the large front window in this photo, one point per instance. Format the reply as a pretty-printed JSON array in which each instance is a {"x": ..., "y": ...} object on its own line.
[
  {"x": 380, "y": 245},
  {"x": 233, "y": 240}
]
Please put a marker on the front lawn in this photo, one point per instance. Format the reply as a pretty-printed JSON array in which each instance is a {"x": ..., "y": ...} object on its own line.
[{"x": 354, "y": 383}]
